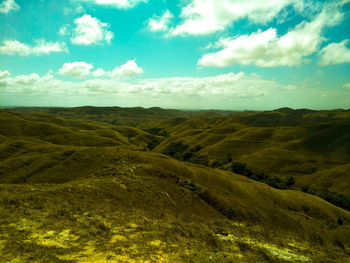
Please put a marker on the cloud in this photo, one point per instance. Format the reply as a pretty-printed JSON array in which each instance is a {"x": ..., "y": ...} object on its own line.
[
  {"x": 99, "y": 73},
  {"x": 63, "y": 31},
  {"x": 8, "y": 5},
  {"x": 202, "y": 17},
  {"x": 89, "y": 30},
  {"x": 267, "y": 49},
  {"x": 14, "y": 47},
  {"x": 76, "y": 69},
  {"x": 129, "y": 69},
  {"x": 228, "y": 85},
  {"x": 27, "y": 79},
  {"x": 160, "y": 23},
  {"x": 346, "y": 86},
  {"x": 31, "y": 83},
  {"x": 224, "y": 86},
  {"x": 74, "y": 8},
  {"x": 120, "y": 4},
  {"x": 82, "y": 70},
  {"x": 335, "y": 53},
  {"x": 4, "y": 74}
]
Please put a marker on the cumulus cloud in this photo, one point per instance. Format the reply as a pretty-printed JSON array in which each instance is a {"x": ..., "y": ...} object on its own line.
[
  {"x": 82, "y": 70},
  {"x": 27, "y": 79},
  {"x": 207, "y": 16},
  {"x": 89, "y": 30},
  {"x": 14, "y": 47},
  {"x": 64, "y": 30},
  {"x": 335, "y": 53},
  {"x": 129, "y": 69},
  {"x": 4, "y": 74},
  {"x": 31, "y": 83},
  {"x": 76, "y": 69},
  {"x": 267, "y": 49},
  {"x": 160, "y": 23},
  {"x": 224, "y": 86},
  {"x": 74, "y": 8},
  {"x": 120, "y": 4},
  {"x": 99, "y": 73},
  {"x": 8, "y": 5},
  {"x": 231, "y": 85}
]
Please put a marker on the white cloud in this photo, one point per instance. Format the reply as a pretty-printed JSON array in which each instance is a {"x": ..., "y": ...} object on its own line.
[
  {"x": 4, "y": 74},
  {"x": 8, "y": 5},
  {"x": 228, "y": 85},
  {"x": 74, "y": 8},
  {"x": 27, "y": 79},
  {"x": 160, "y": 23},
  {"x": 63, "y": 31},
  {"x": 120, "y": 4},
  {"x": 43, "y": 47},
  {"x": 346, "y": 86},
  {"x": 99, "y": 73},
  {"x": 267, "y": 49},
  {"x": 335, "y": 53},
  {"x": 76, "y": 69},
  {"x": 129, "y": 69},
  {"x": 225, "y": 86},
  {"x": 207, "y": 16},
  {"x": 89, "y": 30},
  {"x": 82, "y": 70},
  {"x": 31, "y": 83},
  {"x": 14, "y": 47}
]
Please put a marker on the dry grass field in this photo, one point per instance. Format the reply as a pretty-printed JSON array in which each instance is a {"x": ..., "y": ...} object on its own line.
[{"x": 94, "y": 185}]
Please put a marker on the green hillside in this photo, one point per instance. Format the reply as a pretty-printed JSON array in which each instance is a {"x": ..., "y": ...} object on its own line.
[
  {"x": 78, "y": 190},
  {"x": 280, "y": 143}
]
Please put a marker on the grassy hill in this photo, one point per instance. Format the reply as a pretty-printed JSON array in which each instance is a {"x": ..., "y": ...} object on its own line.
[
  {"x": 113, "y": 115},
  {"x": 75, "y": 190},
  {"x": 280, "y": 143}
]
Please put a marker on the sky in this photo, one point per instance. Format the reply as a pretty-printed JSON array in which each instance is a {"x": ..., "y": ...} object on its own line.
[{"x": 186, "y": 54}]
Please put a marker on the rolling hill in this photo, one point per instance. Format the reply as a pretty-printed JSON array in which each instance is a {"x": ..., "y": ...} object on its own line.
[
  {"x": 298, "y": 144},
  {"x": 73, "y": 189}
]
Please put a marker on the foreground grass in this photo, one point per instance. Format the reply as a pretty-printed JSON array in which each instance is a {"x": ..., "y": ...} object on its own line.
[{"x": 133, "y": 218}]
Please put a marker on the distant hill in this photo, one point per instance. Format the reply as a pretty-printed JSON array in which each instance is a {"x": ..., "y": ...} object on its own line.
[
  {"x": 112, "y": 115},
  {"x": 281, "y": 143}
]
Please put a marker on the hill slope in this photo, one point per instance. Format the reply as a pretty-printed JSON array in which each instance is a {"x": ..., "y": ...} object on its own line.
[
  {"x": 80, "y": 202},
  {"x": 298, "y": 143}
]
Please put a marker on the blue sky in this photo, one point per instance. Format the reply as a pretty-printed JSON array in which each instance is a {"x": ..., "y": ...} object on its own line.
[{"x": 188, "y": 54}]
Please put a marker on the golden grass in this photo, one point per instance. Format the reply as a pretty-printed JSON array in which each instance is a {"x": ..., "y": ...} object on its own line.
[{"x": 93, "y": 192}]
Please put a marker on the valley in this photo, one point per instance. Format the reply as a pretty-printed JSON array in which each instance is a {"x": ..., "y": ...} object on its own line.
[{"x": 113, "y": 184}]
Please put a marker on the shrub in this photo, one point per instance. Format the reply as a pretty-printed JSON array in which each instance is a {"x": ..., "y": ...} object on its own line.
[
  {"x": 305, "y": 188},
  {"x": 176, "y": 150},
  {"x": 241, "y": 168},
  {"x": 186, "y": 183},
  {"x": 336, "y": 199},
  {"x": 305, "y": 208},
  {"x": 187, "y": 155},
  {"x": 216, "y": 164},
  {"x": 340, "y": 221},
  {"x": 199, "y": 159},
  {"x": 153, "y": 144},
  {"x": 196, "y": 148},
  {"x": 217, "y": 204},
  {"x": 181, "y": 151},
  {"x": 158, "y": 131},
  {"x": 229, "y": 158},
  {"x": 290, "y": 181}
]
